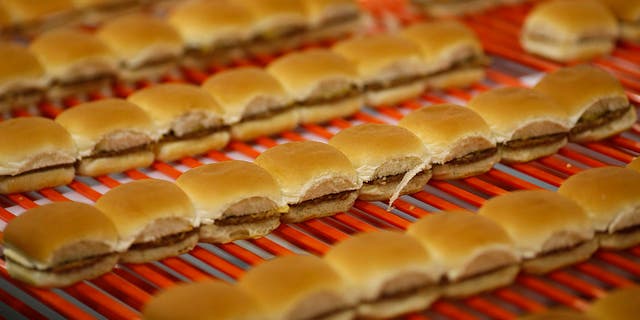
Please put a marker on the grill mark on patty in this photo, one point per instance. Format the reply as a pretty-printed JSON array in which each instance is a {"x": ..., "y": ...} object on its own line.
[
  {"x": 267, "y": 114},
  {"x": 72, "y": 265},
  {"x": 534, "y": 141},
  {"x": 171, "y": 136},
  {"x": 328, "y": 197},
  {"x": 115, "y": 153},
  {"x": 163, "y": 241},
  {"x": 248, "y": 218},
  {"x": 598, "y": 120},
  {"x": 396, "y": 178},
  {"x": 471, "y": 157},
  {"x": 54, "y": 167},
  {"x": 353, "y": 91}
]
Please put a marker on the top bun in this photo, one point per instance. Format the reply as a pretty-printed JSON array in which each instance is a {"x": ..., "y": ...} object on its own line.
[
  {"x": 18, "y": 68},
  {"x": 539, "y": 220},
  {"x": 321, "y": 11},
  {"x": 449, "y": 131},
  {"x": 207, "y": 23},
  {"x": 146, "y": 210},
  {"x": 635, "y": 164},
  {"x": 443, "y": 43},
  {"x": 519, "y": 113},
  {"x": 275, "y": 14},
  {"x": 610, "y": 196},
  {"x": 314, "y": 73},
  {"x": 107, "y": 125},
  {"x": 625, "y": 10},
  {"x": 80, "y": 231},
  {"x": 201, "y": 300},
  {"x": 32, "y": 143},
  {"x": 379, "y": 150},
  {"x": 24, "y": 11},
  {"x": 246, "y": 91},
  {"x": 306, "y": 170},
  {"x": 620, "y": 304}
]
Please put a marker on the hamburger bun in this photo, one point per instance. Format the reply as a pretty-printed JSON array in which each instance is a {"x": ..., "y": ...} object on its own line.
[
  {"x": 556, "y": 315},
  {"x": 22, "y": 78},
  {"x": 628, "y": 14},
  {"x": 447, "y": 8},
  {"x": 331, "y": 19},
  {"x": 620, "y": 304},
  {"x": 635, "y": 164}
]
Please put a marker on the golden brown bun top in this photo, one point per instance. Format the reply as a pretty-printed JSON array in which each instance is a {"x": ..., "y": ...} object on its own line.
[
  {"x": 303, "y": 72},
  {"x": 202, "y": 22},
  {"x": 477, "y": 238},
  {"x": 373, "y": 258},
  {"x": 134, "y": 37},
  {"x": 268, "y": 9},
  {"x": 26, "y": 10},
  {"x": 536, "y": 219},
  {"x": 135, "y": 206},
  {"x": 376, "y": 56},
  {"x": 166, "y": 103},
  {"x": 627, "y": 10},
  {"x": 5, "y": 18},
  {"x": 441, "y": 127},
  {"x": 236, "y": 89},
  {"x": 318, "y": 10},
  {"x": 282, "y": 283},
  {"x": 91, "y": 123},
  {"x": 202, "y": 300},
  {"x": 557, "y": 315},
  {"x": 301, "y": 167},
  {"x": 62, "y": 47},
  {"x": 576, "y": 88},
  {"x": 34, "y": 142},
  {"x": 370, "y": 146},
  {"x": 443, "y": 42},
  {"x": 230, "y": 182},
  {"x": 57, "y": 226},
  {"x": 605, "y": 193},
  {"x": 18, "y": 63},
  {"x": 620, "y": 304},
  {"x": 509, "y": 111},
  {"x": 569, "y": 20},
  {"x": 635, "y": 164}
]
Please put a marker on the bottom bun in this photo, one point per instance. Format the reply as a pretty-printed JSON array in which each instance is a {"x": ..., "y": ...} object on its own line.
[
  {"x": 459, "y": 171},
  {"x": 315, "y": 209},
  {"x": 568, "y": 51},
  {"x": 101, "y": 166},
  {"x": 610, "y": 129},
  {"x": 37, "y": 180},
  {"x": 334, "y": 32},
  {"x": 222, "y": 234},
  {"x": 383, "y": 192},
  {"x": 529, "y": 154},
  {"x": 485, "y": 282},
  {"x": 458, "y": 78},
  {"x": 174, "y": 150},
  {"x": 342, "y": 315},
  {"x": 157, "y": 253},
  {"x": 457, "y": 8},
  {"x": 49, "y": 279},
  {"x": 249, "y": 130},
  {"x": 395, "y": 95},
  {"x": 393, "y": 307},
  {"x": 560, "y": 258},
  {"x": 273, "y": 46},
  {"x": 324, "y": 112},
  {"x": 619, "y": 240}
]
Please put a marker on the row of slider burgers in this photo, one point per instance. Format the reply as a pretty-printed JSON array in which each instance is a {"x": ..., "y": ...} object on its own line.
[
  {"x": 454, "y": 254},
  {"x": 390, "y": 68}
]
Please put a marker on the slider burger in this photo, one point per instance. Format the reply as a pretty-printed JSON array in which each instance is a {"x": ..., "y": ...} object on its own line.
[
  {"x": 635, "y": 164},
  {"x": 332, "y": 19},
  {"x": 22, "y": 78},
  {"x": 389, "y": 66},
  {"x": 389, "y": 273},
  {"x": 316, "y": 179},
  {"x": 74, "y": 61},
  {"x": 390, "y": 160},
  {"x": 611, "y": 198},
  {"x": 212, "y": 30},
  {"x": 526, "y": 123},
  {"x": 59, "y": 244},
  {"x": 277, "y": 25},
  {"x": 233, "y": 200},
  {"x": 298, "y": 287},
  {"x": 479, "y": 257},
  {"x": 93, "y": 12},
  {"x": 187, "y": 118},
  {"x": 35, "y": 153},
  {"x": 146, "y": 47},
  {"x": 43, "y": 14},
  {"x": 202, "y": 300},
  {"x": 620, "y": 304},
  {"x": 112, "y": 136},
  {"x": 566, "y": 30},
  {"x": 549, "y": 230},
  {"x": 446, "y": 8},
  {"x": 324, "y": 84},
  {"x": 254, "y": 103},
  {"x": 154, "y": 219},
  {"x": 628, "y": 14},
  {"x": 451, "y": 53},
  {"x": 460, "y": 142},
  {"x": 594, "y": 100}
]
